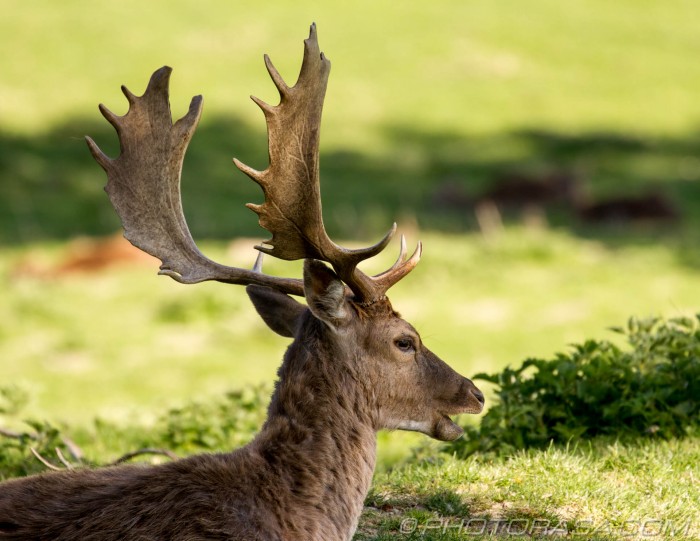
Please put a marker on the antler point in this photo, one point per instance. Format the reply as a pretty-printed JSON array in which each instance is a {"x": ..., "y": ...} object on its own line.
[
  {"x": 254, "y": 174},
  {"x": 312, "y": 41},
  {"x": 100, "y": 157},
  {"x": 267, "y": 109},
  {"x": 195, "y": 105},
  {"x": 265, "y": 249},
  {"x": 159, "y": 80},
  {"x": 419, "y": 250},
  {"x": 276, "y": 77},
  {"x": 189, "y": 121},
  {"x": 112, "y": 118},
  {"x": 130, "y": 96},
  {"x": 258, "y": 266},
  {"x": 172, "y": 274}
]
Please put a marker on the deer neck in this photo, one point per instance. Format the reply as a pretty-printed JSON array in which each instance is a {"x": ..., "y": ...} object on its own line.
[{"x": 320, "y": 436}]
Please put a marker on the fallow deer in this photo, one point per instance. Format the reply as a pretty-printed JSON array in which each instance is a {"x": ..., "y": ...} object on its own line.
[{"x": 353, "y": 368}]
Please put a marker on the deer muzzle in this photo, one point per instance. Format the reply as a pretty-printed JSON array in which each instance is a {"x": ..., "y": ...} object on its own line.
[{"x": 468, "y": 399}]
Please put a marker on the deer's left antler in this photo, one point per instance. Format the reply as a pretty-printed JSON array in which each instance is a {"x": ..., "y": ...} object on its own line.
[{"x": 292, "y": 207}]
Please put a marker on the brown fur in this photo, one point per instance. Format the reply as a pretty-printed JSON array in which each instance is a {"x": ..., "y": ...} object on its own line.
[{"x": 306, "y": 474}]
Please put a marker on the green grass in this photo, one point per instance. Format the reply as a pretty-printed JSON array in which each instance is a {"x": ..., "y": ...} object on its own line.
[
  {"x": 469, "y": 65},
  {"x": 598, "y": 491},
  {"x": 128, "y": 342},
  {"x": 125, "y": 344},
  {"x": 455, "y": 91}
]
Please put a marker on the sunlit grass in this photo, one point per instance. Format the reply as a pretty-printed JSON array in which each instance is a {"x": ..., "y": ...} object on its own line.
[
  {"x": 127, "y": 342},
  {"x": 452, "y": 66},
  {"x": 603, "y": 491}
]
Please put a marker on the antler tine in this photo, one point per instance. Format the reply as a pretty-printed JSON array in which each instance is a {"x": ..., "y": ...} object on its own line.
[
  {"x": 374, "y": 288},
  {"x": 131, "y": 98},
  {"x": 144, "y": 187},
  {"x": 398, "y": 270},
  {"x": 110, "y": 116},
  {"x": 100, "y": 157},
  {"x": 400, "y": 259},
  {"x": 258, "y": 265},
  {"x": 276, "y": 77}
]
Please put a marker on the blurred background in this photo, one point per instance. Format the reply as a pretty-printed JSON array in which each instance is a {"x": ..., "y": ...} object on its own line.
[{"x": 548, "y": 155}]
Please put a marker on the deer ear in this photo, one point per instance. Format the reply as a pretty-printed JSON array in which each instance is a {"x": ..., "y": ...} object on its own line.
[
  {"x": 325, "y": 293},
  {"x": 279, "y": 311}
]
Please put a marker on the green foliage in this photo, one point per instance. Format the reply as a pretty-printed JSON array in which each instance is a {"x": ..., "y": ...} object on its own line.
[
  {"x": 221, "y": 425},
  {"x": 598, "y": 389},
  {"x": 16, "y": 449}
]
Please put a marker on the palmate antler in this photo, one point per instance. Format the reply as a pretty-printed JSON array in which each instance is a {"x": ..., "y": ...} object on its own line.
[{"x": 144, "y": 185}]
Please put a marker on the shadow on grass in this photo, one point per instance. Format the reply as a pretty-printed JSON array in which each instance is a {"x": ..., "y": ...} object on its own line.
[
  {"x": 447, "y": 515},
  {"x": 50, "y": 188}
]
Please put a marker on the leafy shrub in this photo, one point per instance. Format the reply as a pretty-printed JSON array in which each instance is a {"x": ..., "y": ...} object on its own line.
[
  {"x": 16, "y": 449},
  {"x": 222, "y": 424},
  {"x": 652, "y": 389}
]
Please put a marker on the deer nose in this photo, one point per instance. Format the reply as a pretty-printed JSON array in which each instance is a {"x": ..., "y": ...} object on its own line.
[{"x": 478, "y": 395}]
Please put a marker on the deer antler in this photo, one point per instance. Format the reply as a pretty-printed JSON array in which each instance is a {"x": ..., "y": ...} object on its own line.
[
  {"x": 144, "y": 185},
  {"x": 292, "y": 207}
]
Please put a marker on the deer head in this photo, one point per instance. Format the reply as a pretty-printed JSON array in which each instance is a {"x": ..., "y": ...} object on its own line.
[{"x": 402, "y": 384}]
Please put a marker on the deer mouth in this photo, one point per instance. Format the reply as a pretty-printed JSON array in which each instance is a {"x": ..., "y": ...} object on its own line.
[
  {"x": 440, "y": 427},
  {"x": 445, "y": 429}
]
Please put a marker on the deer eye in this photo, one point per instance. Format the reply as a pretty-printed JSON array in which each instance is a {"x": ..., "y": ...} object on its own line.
[{"x": 405, "y": 344}]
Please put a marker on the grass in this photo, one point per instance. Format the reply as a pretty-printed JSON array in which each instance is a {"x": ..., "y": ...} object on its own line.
[
  {"x": 599, "y": 491},
  {"x": 473, "y": 66},
  {"x": 127, "y": 342},
  {"x": 604, "y": 90}
]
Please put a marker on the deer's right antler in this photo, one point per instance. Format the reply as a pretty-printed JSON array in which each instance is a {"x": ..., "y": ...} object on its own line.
[{"x": 144, "y": 185}]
